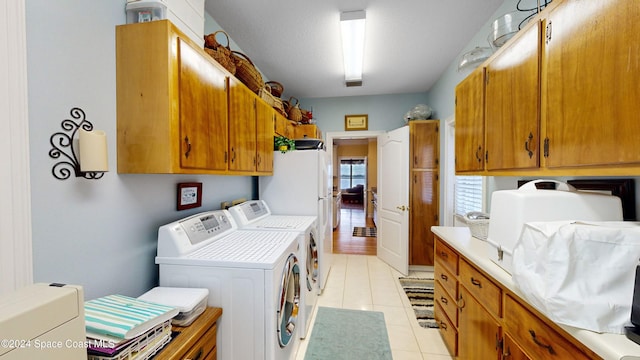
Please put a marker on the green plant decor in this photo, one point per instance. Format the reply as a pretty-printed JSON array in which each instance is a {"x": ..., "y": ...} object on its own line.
[{"x": 283, "y": 144}]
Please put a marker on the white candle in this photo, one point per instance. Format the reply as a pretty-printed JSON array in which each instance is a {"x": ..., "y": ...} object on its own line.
[{"x": 93, "y": 151}]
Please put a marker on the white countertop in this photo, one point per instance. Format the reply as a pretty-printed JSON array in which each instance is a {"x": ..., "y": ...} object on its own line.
[{"x": 608, "y": 346}]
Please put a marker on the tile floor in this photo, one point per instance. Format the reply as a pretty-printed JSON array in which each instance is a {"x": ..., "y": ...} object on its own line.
[{"x": 365, "y": 282}]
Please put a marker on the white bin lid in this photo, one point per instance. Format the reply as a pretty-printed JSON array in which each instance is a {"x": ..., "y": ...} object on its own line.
[{"x": 185, "y": 299}]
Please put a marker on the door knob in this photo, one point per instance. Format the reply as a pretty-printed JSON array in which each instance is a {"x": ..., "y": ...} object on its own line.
[{"x": 402, "y": 208}]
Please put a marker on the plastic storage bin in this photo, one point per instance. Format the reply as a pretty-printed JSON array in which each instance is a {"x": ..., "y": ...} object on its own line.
[{"x": 145, "y": 11}]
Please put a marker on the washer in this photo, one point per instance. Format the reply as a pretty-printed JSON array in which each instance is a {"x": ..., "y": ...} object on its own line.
[
  {"x": 254, "y": 276},
  {"x": 256, "y": 215}
]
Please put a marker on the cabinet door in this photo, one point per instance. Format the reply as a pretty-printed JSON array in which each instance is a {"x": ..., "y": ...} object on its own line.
[
  {"x": 265, "y": 118},
  {"x": 511, "y": 351},
  {"x": 203, "y": 111},
  {"x": 590, "y": 85},
  {"x": 425, "y": 144},
  {"x": 469, "y": 132},
  {"x": 423, "y": 214},
  {"x": 478, "y": 332},
  {"x": 512, "y": 103},
  {"x": 242, "y": 127}
]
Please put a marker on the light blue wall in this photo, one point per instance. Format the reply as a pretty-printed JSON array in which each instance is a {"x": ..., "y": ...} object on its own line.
[
  {"x": 100, "y": 234},
  {"x": 384, "y": 112}
]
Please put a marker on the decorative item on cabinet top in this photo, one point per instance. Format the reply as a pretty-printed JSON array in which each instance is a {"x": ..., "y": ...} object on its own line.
[
  {"x": 220, "y": 53},
  {"x": 92, "y": 146},
  {"x": 471, "y": 59},
  {"x": 418, "y": 112},
  {"x": 504, "y": 27}
]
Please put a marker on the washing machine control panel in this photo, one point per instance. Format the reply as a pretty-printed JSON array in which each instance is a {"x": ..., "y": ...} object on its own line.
[{"x": 206, "y": 225}]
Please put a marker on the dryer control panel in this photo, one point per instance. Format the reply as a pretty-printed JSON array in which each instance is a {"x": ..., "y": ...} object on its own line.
[
  {"x": 249, "y": 211},
  {"x": 186, "y": 235}
]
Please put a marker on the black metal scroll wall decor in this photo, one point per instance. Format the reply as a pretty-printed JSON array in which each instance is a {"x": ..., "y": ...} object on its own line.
[{"x": 62, "y": 143}]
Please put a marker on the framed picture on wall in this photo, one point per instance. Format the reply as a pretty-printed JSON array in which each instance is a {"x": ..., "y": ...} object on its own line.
[
  {"x": 189, "y": 195},
  {"x": 356, "y": 122}
]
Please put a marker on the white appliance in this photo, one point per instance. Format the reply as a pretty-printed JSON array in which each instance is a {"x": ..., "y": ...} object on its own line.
[
  {"x": 254, "y": 276},
  {"x": 511, "y": 209},
  {"x": 43, "y": 321},
  {"x": 300, "y": 186},
  {"x": 255, "y": 215}
]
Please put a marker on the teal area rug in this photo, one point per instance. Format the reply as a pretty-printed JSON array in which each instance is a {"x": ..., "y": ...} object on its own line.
[{"x": 342, "y": 334}]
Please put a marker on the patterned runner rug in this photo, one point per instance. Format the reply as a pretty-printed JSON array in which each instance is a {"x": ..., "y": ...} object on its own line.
[
  {"x": 364, "y": 231},
  {"x": 420, "y": 294}
]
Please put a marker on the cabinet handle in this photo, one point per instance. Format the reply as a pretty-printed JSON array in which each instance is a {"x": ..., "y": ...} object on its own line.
[
  {"x": 548, "y": 35},
  {"x": 186, "y": 141},
  {"x": 444, "y": 254},
  {"x": 198, "y": 355},
  {"x": 527, "y": 145},
  {"x": 443, "y": 325},
  {"x": 479, "y": 154},
  {"x": 476, "y": 282},
  {"x": 461, "y": 303},
  {"x": 259, "y": 160},
  {"x": 233, "y": 155},
  {"x": 535, "y": 340},
  {"x": 444, "y": 300},
  {"x": 444, "y": 277}
]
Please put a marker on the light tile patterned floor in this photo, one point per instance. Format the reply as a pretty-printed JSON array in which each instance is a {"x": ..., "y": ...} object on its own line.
[{"x": 367, "y": 283}]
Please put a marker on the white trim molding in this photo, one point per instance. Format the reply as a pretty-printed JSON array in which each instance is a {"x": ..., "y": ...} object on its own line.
[{"x": 16, "y": 258}]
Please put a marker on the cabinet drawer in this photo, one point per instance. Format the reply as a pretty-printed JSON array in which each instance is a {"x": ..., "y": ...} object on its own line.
[
  {"x": 447, "y": 256},
  {"x": 204, "y": 346},
  {"x": 486, "y": 292},
  {"x": 447, "y": 303},
  {"x": 446, "y": 280},
  {"x": 536, "y": 338},
  {"x": 447, "y": 331}
]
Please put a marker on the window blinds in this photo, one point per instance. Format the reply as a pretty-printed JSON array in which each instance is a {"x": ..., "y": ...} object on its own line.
[{"x": 468, "y": 194}]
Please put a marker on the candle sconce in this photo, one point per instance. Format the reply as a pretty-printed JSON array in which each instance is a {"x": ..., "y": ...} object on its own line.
[{"x": 91, "y": 144}]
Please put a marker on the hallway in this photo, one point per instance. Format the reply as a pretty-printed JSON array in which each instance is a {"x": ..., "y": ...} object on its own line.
[{"x": 343, "y": 241}]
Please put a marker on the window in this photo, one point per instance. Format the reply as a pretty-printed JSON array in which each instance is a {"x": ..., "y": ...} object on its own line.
[
  {"x": 468, "y": 194},
  {"x": 352, "y": 172}
]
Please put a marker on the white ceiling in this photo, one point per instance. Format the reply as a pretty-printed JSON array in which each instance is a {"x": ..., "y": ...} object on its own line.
[{"x": 409, "y": 43}]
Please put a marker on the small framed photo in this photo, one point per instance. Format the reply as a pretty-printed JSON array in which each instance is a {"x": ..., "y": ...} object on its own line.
[
  {"x": 355, "y": 122},
  {"x": 189, "y": 195}
]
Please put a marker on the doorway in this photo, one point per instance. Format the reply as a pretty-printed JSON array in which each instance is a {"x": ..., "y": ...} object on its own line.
[{"x": 347, "y": 146}]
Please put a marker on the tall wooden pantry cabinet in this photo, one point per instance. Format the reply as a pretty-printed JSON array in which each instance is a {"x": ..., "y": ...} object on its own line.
[{"x": 424, "y": 153}]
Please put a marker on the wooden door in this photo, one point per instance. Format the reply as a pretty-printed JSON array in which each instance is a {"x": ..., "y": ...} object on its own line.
[
  {"x": 478, "y": 332},
  {"x": 242, "y": 127},
  {"x": 393, "y": 199},
  {"x": 590, "y": 83},
  {"x": 469, "y": 129},
  {"x": 423, "y": 214},
  {"x": 203, "y": 111},
  {"x": 425, "y": 144},
  {"x": 265, "y": 118},
  {"x": 512, "y": 103}
]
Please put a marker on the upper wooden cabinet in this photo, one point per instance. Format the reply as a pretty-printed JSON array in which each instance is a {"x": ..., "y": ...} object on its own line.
[
  {"x": 469, "y": 134},
  {"x": 307, "y": 131},
  {"x": 512, "y": 103},
  {"x": 560, "y": 97},
  {"x": 165, "y": 124},
  {"x": 179, "y": 111},
  {"x": 591, "y": 76}
]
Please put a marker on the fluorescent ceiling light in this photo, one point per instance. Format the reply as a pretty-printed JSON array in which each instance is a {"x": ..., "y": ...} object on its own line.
[{"x": 352, "y": 26}]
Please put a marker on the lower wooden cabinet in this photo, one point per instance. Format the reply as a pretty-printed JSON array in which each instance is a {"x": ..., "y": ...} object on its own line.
[
  {"x": 487, "y": 320},
  {"x": 196, "y": 341}
]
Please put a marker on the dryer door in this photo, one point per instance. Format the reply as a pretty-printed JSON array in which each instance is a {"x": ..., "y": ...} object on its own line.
[
  {"x": 289, "y": 301},
  {"x": 312, "y": 262}
]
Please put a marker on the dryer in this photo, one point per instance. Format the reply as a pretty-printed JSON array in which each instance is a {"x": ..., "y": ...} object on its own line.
[
  {"x": 256, "y": 215},
  {"x": 254, "y": 276}
]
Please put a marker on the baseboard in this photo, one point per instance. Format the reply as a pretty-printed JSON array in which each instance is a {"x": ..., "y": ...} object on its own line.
[{"x": 420, "y": 268}]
